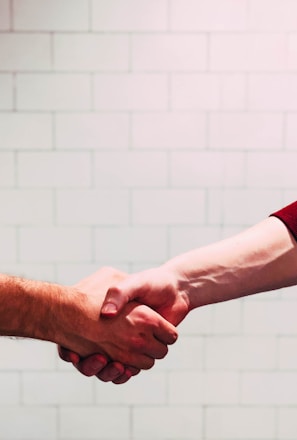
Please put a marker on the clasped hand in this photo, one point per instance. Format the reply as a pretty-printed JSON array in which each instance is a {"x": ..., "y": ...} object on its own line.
[{"x": 119, "y": 336}]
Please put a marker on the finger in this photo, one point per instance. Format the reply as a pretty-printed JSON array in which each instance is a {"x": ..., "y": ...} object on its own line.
[
  {"x": 165, "y": 332},
  {"x": 67, "y": 355},
  {"x": 129, "y": 372},
  {"x": 134, "y": 371},
  {"x": 123, "y": 378},
  {"x": 156, "y": 350},
  {"x": 92, "y": 365},
  {"x": 111, "y": 372}
]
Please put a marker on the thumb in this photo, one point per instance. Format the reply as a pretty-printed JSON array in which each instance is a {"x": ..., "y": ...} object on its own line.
[
  {"x": 133, "y": 287},
  {"x": 114, "y": 302}
]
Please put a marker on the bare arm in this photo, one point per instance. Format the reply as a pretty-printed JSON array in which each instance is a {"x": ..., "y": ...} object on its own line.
[
  {"x": 259, "y": 259},
  {"x": 262, "y": 258},
  {"x": 70, "y": 316},
  {"x": 35, "y": 309}
]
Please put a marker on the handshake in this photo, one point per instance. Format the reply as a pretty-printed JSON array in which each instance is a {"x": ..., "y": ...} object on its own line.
[
  {"x": 112, "y": 325},
  {"x": 123, "y": 322}
]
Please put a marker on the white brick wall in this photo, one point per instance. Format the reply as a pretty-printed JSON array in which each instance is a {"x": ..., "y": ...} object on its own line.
[
  {"x": 131, "y": 131},
  {"x": 5, "y": 14}
]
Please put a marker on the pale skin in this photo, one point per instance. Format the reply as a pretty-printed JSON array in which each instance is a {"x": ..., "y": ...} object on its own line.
[
  {"x": 259, "y": 259},
  {"x": 70, "y": 317}
]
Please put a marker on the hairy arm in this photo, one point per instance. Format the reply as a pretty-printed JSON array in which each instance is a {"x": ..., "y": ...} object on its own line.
[
  {"x": 35, "y": 309},
  {"x": 70, "y": 317}
]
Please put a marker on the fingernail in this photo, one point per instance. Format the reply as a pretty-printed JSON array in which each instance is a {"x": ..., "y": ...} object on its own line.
[{"x": 109, "y": 309}]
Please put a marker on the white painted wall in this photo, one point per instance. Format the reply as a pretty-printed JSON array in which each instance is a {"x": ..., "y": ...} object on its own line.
[{"x": 130, "y": 131}]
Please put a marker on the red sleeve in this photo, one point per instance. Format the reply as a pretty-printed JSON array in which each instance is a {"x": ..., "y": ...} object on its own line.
[{"x": 288, "y": 216}]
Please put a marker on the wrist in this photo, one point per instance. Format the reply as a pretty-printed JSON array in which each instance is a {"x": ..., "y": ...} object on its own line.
[{"x": 200, "y": 276}]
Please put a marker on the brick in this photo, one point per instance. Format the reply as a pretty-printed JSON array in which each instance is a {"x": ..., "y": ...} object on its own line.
[
  {"x": 10, "y": 389},
  {"x": 161, "y": 52},
  {"x": 184, "y": 355},
  {"x": 167, "y": 422},
  {"x": 246, "y": 131},
  {"x": 273, "y": 92},
  {"x": 26, "y": 355},
  {"x": 51, "y": 92},
  {"x": 86, "y": 52},
  {"x": 55, "y": 169},
  {"x": 287, "y": 355},
  {"x": 207, "y": 169},
  {"x": 203, "y": 388},
  {"x": 25, "y": 131},
  {"x": 197, "y": 323},
  {"x": 275, "y": 15},
  {"x": 269, "y": 317},
  {"x": 278, "y": 172},
  {"x": 274, "y": 388},
  {"x": 82, "y": 423},
  {"x": 289, "y": 197},
  {"x": 168, "y": 207},
  {"x": 291, "y": 132},
  {"x": 50, "y": 244},
  {"x": 248, "y": 52},
  {"x": 287, "y": 423},
  {"x": 255, "y": 205},
  {"x": 26, "y": 207},
  {"x": 24, "y": 52},
  {"x": 192, "y": 15},
  {"x": 131, "y": 92},
  {"x": 6, "y": 91},
  {"x": 93, "y": 207},
  {"x": 92, "y": 131},
  {"x": 208, "y": 91},
  {"x": 7, "y": 170},
  {"x": 240, "y": 353},
  {"x": 51, "y": 388},
  {"x": 182, "y": 239},
  {"x": 169, "y": 131},
  {"x": 292, "y": 49},
  {"x": 233, "y": 91},
  {"x": 5, "y": 15},
  {"x": 131, "y": 244},
  {"x": 133, "y": 15},
  {"x": 148, "y": 388},
  {"x": 131, "y": 169},
  {"x": 32, "y": 271},
  {"x": 51, "y": 15},
  {"x": 196, "y": 91},
  {"x": 242, "y": 423},
  {"x": 18, "y": 423},
  {"x": 227, "y": 318},
  {"x": 72, "y": 273},
  {"x": 8, "y": 245}
]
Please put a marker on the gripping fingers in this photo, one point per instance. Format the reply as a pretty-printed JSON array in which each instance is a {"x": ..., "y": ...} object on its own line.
[
  {"x": 67, "y": 355},
  {"x": 92, "y": 365},
  {"x": 165, "y": 332}
]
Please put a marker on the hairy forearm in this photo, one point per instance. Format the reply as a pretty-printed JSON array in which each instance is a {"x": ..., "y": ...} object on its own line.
[
  {"x": 36, "y": 309},
  {"x": 259, "y": 259}
]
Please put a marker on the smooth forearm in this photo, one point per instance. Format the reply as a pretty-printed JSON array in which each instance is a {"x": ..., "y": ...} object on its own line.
[{"x": 259, "y": 259}]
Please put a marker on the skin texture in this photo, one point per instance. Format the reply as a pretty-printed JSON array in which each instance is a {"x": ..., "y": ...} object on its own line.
[
  {"x": 261, "y": 258},
  {"x": 70, "y": 317}
]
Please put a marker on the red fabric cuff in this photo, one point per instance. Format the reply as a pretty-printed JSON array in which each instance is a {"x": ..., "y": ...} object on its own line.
[{"x": 288, "y": 216}]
